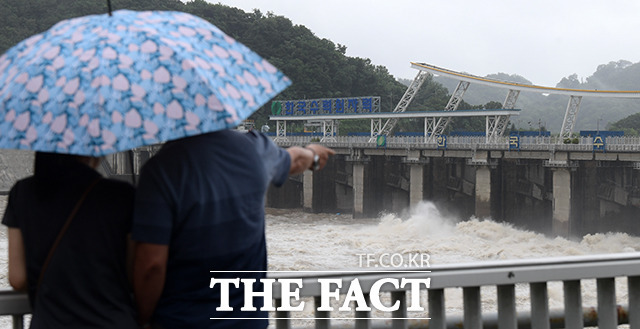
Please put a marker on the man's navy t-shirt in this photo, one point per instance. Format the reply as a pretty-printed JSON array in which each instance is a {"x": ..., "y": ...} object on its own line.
[{"x": 204, "y": 197}]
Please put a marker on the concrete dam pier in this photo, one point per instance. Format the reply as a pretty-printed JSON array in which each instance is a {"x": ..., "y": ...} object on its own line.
[{"x": 567, "y": 193}]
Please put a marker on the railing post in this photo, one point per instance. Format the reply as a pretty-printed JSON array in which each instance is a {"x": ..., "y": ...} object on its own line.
[
  {"x": 322, "y": 317},
  {"x": 633, "y": 286},
  {"x": 18, "y": 321},
  {"x": 363, "y": 318},
  {"x": 539, "y": 305},
  {"x": 436, "y": 309},
  {"x": 282, "y": 317},
  {"x": 400, "y": 316},
  {"x": 573, "y": 315},
  {"x": 472, "y": 308},
  {"x": 607, "y": 310},
  {"x": 507, "y": 318}
]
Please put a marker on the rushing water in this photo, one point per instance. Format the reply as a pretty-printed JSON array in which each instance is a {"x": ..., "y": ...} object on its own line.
[{"x": 303, "y": 241}]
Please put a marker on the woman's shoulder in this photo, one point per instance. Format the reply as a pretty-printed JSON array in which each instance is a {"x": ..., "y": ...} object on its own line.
[{"x": 24, "y": 184}]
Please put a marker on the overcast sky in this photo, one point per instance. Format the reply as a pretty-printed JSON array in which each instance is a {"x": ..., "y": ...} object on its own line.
[{"x": 541, "y": 40}]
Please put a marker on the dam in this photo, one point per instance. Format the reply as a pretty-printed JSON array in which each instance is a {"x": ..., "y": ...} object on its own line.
[
  {"x": 547, "y": 187},
  {"x": 558, "y": 189}
]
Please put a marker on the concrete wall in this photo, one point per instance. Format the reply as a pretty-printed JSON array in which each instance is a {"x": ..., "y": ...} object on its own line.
[
  {"x": 606, "y": 198},
  {"x": 588, "y": 197},
  {"x": 289, "y": 195},
  {"x": 14, "y": 165}
]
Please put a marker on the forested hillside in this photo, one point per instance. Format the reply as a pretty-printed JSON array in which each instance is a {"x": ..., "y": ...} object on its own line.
[{"x": 319, "y": 68}]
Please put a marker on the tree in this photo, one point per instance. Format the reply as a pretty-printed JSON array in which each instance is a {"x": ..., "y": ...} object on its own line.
[
  {"x": 569, "y": 82},
  {"x": 630, "y": 125}
]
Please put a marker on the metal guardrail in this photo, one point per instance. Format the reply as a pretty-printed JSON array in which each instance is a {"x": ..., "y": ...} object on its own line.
[
  {"x": 527, "y": 143},
  {"x": 503, "y": 275},
  {"x": 15, "y": 304}
]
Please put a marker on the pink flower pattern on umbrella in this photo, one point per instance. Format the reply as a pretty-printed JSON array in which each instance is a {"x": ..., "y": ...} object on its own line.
[{"x": 97, "y": 84}]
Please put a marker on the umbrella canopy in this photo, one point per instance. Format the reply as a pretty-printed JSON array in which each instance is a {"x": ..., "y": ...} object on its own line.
[{"x": 100, "y": 84}]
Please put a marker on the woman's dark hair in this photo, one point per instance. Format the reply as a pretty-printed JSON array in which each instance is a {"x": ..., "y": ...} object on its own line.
[
  {"x": 54, "y": 171},
  {"x": 47, "y": 165}
]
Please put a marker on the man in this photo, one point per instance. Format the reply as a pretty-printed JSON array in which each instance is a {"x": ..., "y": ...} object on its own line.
[{"x": 200, "y": 208}]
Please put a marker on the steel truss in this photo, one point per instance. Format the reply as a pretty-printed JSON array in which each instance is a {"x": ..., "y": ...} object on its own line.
[
  {"x": 570, "y": 118},
  {"x": 281, "y": 131},
  {"x": 495, "y": 127},
  {"x": 430, "y": 128},
  {"x": 511, "y": 99},
  {"x": 454, "y": 102},
  {"x": 376, "y": 127},
  {"x": 328, "y": 131},
  {"x": 406, "y": 99}
]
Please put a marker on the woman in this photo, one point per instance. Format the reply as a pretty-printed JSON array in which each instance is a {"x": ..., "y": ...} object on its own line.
[{"x": 80, "y": 280}]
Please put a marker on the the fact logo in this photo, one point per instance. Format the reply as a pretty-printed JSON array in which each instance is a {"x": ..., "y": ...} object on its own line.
[{"x": 329, "y": 290}]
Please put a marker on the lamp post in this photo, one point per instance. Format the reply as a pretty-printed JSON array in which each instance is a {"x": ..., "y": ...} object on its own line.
[{"x": 539, "y": 127}]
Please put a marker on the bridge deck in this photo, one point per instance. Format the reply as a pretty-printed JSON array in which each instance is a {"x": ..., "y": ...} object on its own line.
[{"x": 396, "y": 115}]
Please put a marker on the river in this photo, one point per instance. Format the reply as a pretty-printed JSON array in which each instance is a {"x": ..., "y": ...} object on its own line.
[{"x": 303, "y": 241}]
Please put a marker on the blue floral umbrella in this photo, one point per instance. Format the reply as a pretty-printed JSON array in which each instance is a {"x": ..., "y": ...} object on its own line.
[{"x": 100, "y": 84}]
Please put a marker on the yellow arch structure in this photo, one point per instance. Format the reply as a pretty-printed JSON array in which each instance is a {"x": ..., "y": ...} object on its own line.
[
  {"x": 514, "y": 89},
  {"x": 523, "y": 87}
]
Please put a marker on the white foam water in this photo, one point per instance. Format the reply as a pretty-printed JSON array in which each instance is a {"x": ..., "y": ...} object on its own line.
[{"x": 303, "y": 241}]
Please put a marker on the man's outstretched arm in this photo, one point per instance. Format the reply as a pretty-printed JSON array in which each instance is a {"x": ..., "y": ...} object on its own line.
[{"x": 302, "y": 158}]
